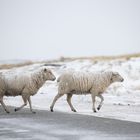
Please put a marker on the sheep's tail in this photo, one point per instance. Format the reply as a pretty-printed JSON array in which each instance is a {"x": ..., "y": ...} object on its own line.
[{"x": 58, "y": 80}]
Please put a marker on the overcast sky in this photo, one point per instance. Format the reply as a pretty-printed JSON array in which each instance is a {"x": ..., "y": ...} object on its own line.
[{"x": 41, "y": 29}]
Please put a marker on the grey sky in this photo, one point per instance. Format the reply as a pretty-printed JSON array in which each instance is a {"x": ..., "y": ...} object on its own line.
[{"x": 41, "y": 29}]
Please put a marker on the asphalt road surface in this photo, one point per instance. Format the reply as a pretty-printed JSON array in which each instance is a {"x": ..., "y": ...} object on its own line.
[{"x": 45, "y": 125}]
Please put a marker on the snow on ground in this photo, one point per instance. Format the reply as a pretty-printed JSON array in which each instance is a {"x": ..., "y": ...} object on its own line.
[{"x": 122, "y": 100}]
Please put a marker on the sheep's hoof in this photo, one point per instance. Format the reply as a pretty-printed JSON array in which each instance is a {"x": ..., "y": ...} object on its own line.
[
  {"x": 74, "y": 110},
  {"x": 16, "y": 110},
  {"x": 7, "y": 112},
  {"x": 95, "y": 111},
  {"x": 33, "y": 112},
  {"x": 98, "y": 108},
  {"x": 51, "y": 110}
]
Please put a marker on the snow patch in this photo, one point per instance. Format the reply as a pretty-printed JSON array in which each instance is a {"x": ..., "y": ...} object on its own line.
[{"x": 122, "y": 100}]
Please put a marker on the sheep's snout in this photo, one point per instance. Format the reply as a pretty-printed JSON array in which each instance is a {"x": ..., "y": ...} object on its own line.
[
  {"x": 122, "y": 80},
  {"x": 54, "y": 79}
]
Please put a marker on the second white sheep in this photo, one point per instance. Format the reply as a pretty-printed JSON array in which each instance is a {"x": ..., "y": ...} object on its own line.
[{"x": 85, "y": 83}]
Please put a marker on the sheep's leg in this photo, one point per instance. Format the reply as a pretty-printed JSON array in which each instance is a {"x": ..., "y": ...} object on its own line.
[
  {"x": 54, "y": 101},
  {"x": 93, "y": 102},
  {"x": 101, "y": 103},
  {"x": 25, "y": 103},
  {"x": 30, "y": 103},
  {"x": 69, "y": 96},
  {"x": 3, "y": 105}
]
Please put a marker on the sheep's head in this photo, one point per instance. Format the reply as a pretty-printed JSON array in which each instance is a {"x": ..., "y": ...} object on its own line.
[
  {"x": 116, "y": 77},
  {"x": 48, "y": 75}
]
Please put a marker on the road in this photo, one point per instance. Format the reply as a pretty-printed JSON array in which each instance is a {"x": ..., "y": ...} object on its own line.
[{"x": 45, "y": 125}]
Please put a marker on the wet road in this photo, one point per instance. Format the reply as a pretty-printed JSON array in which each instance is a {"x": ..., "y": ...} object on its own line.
[{"x": 45, "y": 125}]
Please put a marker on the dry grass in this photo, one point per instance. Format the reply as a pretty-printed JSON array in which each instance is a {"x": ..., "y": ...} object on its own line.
[
  {"x": 65, "y": 59},
  {"x": 9, "y": 66},
  {"x": 101, "y": 58}
]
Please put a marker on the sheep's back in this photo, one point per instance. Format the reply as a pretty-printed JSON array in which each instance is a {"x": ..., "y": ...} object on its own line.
[
  {"x": 14, "y": 84},
  {"x": 84, "y": 82},
  {"x": 80, "y": 82}
]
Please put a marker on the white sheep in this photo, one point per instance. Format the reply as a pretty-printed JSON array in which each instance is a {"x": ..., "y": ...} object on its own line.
[
  {"x": 25, "y": 84},
  {"x": 85, "y": 83}
]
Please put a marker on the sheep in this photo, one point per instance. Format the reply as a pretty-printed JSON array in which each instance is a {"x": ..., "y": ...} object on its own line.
[
  {"x": 26, "y": 84},
  {"x": 70, "y": 83}
]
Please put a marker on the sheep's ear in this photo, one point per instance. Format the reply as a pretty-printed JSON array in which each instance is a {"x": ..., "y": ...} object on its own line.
[
  {"x": 114, "y": 73},
  {"x": 45, "y": 69},
  {"x": 111, "y": 76}
]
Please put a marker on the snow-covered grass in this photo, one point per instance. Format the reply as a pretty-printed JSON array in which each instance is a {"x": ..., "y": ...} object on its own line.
[{"x": 122, "y": 100}]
